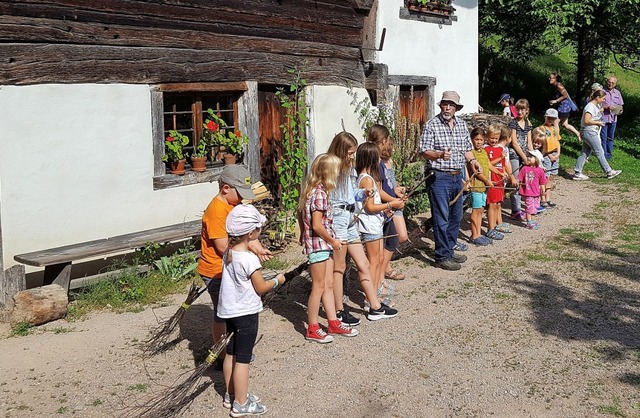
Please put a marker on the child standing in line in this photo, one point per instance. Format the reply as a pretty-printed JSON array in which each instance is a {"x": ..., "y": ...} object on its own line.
[
  {"x": 239, "y": 304},
  {"x": 495, "y": 195},
  {"x": 508, "y": 108},
  {"x": 319, "y": 240},
  {"x": 478, "y": 188},
  {"x": 395, "y": 227},
  {"x": 343, "y": 199},
  {"x": 519, "y": 144},
  {"x": 532, "y": 181},
  {"x": 550, "y": 152},
  {"x": 370, "y": 220}
]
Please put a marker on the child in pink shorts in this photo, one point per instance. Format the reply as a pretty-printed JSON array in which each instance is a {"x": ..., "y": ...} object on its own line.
[{"x": 532, "y": 186}]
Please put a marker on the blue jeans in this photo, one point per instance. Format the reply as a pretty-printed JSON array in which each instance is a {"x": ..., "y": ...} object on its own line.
[
  {"x": 445, "y": 219},
  {"x": 606, "y": 138},
  {"x": 591, "y": 144}
]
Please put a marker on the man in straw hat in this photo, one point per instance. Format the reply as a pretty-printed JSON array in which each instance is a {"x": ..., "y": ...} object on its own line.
[
  {"x": 234, "y": 185},
  {"x": 446, "y": 146}
]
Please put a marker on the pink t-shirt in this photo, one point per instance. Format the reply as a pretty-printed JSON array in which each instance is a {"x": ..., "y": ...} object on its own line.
[{"x": 531, "y": 178}]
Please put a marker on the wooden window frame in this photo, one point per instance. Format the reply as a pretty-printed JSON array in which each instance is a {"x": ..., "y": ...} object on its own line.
[
  {"x": 245, "y": 118},
  {"x": 407, "y": 14}
]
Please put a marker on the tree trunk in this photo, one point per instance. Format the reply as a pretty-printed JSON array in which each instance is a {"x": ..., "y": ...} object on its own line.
[{"x": 587, "y": 55}]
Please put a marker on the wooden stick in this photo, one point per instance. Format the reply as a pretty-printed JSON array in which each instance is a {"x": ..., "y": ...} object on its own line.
[
  {"x": 360, "y": 242},
  {"x": 415, "y": 187}
]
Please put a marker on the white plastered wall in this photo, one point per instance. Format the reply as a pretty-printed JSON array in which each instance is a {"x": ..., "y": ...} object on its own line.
[
  {"x": 447, "y": 52},
  {"x": 76, "y": 164},
  {"x": 330, "y": 107}
]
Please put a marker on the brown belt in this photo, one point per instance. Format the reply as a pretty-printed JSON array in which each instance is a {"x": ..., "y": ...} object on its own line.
[{"x": 453, "y": 173}]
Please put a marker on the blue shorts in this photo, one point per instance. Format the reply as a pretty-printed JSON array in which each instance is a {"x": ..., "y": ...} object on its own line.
[
  {"x": 366, "y": 237},
  {"x": 550, "y": 168},
  {"x": 341, "y": 220},
  {"x": 319, "y": 256},
  {"x": 478, "y": 200}
]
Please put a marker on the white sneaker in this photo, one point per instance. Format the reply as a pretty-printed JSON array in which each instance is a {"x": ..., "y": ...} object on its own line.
[
  {"x": 613, "y": 173},
  {"x": 580, "y": 176}
]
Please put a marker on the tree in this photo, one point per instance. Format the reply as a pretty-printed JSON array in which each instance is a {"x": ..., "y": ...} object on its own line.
[{"x": 596, "y": 29}]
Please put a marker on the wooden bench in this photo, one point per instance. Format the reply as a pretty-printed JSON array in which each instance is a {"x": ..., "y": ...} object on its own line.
[{"x": 57, "y": 261}]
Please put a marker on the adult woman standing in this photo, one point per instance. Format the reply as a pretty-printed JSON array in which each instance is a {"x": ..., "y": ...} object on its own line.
[
  {"x": 562, "y": 102},
  {"x": 591, "y": 124}
]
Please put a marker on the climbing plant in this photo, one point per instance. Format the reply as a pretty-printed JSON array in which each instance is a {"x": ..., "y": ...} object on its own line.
[{"x": 292, "y": 165}]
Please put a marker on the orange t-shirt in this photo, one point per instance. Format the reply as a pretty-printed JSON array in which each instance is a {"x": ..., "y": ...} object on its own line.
[{"x": 213, "y": 227}]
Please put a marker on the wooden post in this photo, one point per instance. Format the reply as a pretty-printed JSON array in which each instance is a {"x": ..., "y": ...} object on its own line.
[{"x": 12, "y": 281}]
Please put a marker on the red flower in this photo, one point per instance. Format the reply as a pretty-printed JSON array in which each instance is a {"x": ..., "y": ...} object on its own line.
[
  {"x": 238, "y": 134},
  {"x": 170, "y": 139},
  {"x": 212, "y": 126}
]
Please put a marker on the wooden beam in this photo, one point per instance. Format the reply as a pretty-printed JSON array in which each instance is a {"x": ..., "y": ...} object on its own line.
[
  {"x": 46, "y": 63},
  {"x": 190, "y": 87},
  {"x": 377, "y": 76},
  {"x": 303, "y": 20},
  {"x": 411, "y": 80},
  {"x": 21, "y": 29}
]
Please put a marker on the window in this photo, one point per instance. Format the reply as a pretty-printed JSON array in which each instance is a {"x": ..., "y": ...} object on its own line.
[
  {"x": 435, "y": 11},
  {"x": 183, "y": 107}
]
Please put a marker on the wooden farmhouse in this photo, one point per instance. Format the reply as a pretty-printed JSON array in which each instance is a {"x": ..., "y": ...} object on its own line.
[{"x": 90, "y": 89}]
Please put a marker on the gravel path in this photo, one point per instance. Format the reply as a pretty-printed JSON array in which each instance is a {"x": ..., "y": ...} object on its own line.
[{"x": 513, "y": 334}]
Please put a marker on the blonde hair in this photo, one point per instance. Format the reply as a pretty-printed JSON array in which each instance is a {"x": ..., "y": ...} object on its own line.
[
  {"x": 505, "y": 133},
  {"x": 493, "y": 129},
  {"x": 232, "y": 242},
  {"x": 324, "y": 170},
  {"x": 539, "y": 135}
]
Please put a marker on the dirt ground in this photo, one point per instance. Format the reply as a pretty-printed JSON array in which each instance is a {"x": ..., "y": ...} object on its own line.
[{"x": 542, "y": 324}]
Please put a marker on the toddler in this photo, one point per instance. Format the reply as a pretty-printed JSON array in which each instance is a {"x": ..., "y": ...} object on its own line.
[{"x": 532, "y": 185}]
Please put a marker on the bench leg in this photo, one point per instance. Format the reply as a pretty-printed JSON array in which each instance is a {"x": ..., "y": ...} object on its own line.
[{"x": 58, "y": 274}]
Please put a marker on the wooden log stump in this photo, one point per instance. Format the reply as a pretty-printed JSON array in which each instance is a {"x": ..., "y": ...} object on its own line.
[
  {"x": 12, "y": 281},
  {"x": 40, "y": 305}
]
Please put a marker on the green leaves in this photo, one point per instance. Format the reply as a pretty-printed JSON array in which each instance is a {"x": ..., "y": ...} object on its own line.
[{"x": 293, "y": 162}]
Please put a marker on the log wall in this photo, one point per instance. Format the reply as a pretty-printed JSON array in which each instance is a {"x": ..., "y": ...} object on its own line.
[{"x": 172, "y": 41}]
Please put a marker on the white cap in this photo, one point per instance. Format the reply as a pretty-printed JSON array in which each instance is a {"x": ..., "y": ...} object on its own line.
[
  {"x": 243, "y": 219},
  {"x": 537, "y": 154}
]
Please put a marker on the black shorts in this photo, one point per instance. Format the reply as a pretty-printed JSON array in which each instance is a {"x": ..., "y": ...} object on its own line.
[
  {"x": 213, "y": 287},
  {"x": 390, "y": 244},
  {"x": 245, "y": 332},
  {"x": 562, "y": 115}
]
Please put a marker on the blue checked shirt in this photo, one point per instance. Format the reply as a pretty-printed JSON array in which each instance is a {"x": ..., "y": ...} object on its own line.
[{"x": 438, "y": 135}]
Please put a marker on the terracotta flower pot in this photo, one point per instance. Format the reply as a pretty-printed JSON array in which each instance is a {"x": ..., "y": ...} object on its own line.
[
  {"x": 199, "y": 164},
  {"x": 177, "y": 167}
]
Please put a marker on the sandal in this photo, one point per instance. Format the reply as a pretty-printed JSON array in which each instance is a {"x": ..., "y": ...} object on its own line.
[
  {"x": 460, "y": 246},
  {"x": 504, "y": 228},
  {"x": 394, "y": 275},
  {"x": 493, "y": 234},
  {"x": 388, "y": 286}
]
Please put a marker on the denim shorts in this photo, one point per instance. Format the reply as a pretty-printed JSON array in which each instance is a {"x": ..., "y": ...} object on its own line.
[
  {"x": 550, "y": 168},
  {"x": 213, "y": 287},
  {"x": 478, "y": 200},
  {"x": 341, "y": 220},
  {"x": 319, "y": 256},
  {"x": 245, "y": 333},
  {"x": 366, "y": 237}
]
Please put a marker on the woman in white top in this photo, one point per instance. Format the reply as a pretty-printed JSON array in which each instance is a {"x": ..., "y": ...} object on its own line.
[{"x": 590, "y": 129}]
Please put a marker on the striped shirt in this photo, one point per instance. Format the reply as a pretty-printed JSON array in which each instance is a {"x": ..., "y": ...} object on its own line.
[{"x": 438, "y": 136}]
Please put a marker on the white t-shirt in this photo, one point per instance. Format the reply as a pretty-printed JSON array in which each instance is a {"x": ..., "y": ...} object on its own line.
[
  {"x": 596, "y": 115},
  {"x": 237, "y": 295},
  {"x": 369, "y": 223}
]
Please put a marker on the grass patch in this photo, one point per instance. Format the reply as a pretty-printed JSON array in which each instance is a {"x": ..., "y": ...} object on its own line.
[
  {"x": 612, "y": 409},
  {"x": 538, "y": 257},
  {"x": 140, "y": 387},
  {"x": 126, "y": 291},
  {"x": 275, "y": 264},
  {"x": 21, "y": 329},
  {"x": 61, "y": 330}
]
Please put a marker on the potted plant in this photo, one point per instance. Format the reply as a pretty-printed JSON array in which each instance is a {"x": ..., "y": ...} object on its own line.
[
  {"x": 199, "y": 156},
  {"x": 234, "y": 144},
  {"x": 173, "y": 148}
]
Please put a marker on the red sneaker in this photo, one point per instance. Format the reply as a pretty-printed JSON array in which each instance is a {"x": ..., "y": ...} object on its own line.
[
  {"x": 338, "y": 328},
  {"x": 318, "y": 335}
]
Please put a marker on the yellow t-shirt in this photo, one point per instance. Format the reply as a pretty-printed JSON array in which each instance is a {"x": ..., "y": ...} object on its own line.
[
  {"x": 483, "y": 159},
  {"x": 214, "y": 222},
  {"x": 553, "y": 138}
]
